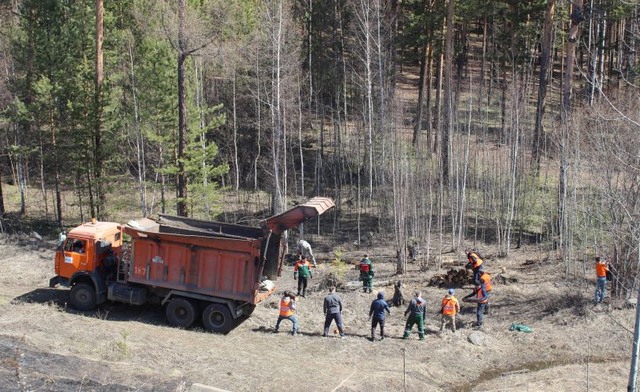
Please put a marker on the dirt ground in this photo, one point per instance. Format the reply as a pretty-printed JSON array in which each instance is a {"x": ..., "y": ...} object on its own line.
[{"x": 575, "y": 345}]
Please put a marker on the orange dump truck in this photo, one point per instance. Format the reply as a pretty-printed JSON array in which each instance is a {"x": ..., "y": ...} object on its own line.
[{"x": 197, "y": 269}]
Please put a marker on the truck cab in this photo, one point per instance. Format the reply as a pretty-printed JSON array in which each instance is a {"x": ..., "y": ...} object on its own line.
[{"x": 85, "y": 259}]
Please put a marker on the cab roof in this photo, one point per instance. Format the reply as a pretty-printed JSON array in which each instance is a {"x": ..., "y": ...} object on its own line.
[{"x": 95, "y": 230}]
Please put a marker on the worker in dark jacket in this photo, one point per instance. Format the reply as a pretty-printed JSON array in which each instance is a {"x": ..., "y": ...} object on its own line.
[
  {"x": 417, "y": 311},
  {"x": 376, "y": 315},
  {"x": 479, "y": 295},
  {"x": 302, "y": 272},
  {"x": 332, "y": 311}
]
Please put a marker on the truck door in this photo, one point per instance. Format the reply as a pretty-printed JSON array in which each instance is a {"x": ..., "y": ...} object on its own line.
[{"x": 75, "y": 257}]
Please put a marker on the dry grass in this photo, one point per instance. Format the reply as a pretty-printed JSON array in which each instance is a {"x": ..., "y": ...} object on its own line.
[{"x": 44, "y": 345}]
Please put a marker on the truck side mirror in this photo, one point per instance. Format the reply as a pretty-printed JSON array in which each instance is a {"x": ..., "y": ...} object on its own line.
[{"x": 61, "y": 238}]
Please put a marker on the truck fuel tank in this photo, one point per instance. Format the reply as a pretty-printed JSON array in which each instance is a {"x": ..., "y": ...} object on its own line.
[{"x": 123, "y": 292}]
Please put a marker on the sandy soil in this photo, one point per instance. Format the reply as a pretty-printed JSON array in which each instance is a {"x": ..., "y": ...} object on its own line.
[{"x": 575, "y": 346}]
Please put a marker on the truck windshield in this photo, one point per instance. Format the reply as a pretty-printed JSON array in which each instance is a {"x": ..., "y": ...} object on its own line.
[{"x": 77, "y": 246}]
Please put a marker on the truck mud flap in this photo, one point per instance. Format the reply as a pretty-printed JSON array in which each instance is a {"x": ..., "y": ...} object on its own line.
[{"x": 58, "y": 280}]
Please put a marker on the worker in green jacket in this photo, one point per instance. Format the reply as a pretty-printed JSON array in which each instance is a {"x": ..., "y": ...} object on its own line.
[
  {"x": 366, "y": 274},
  {"x": 417, "y": 311},
  {"x": 302, "y": 272}
]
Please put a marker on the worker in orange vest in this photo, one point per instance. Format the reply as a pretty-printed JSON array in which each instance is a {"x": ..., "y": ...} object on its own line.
[
  {"x": 474, "y": 258},
  {"x": 475, "y": 264},
  {"x": 479, "y": 296},
  {"x": 484, "y": 278},
  {"x": 601, "y": 279},
  {"x": 450, "y": 307},
  {"x": 287, "y": 312}
]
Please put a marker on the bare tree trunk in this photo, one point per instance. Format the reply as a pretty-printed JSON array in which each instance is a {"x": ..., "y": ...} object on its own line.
[
  {"x": 448, "y": 96},
  {"x": 599, "y": 78},
  {"x": 545, "y": 57},
  {"x": 632, "y": 34},
  {"x": 300, "y": 149},
  {"x": 572, "y": 38},
  {"x": 56, "y": 169},
  {"x": 399, "y": 170},
  {"x": 563, "y": 220},
  {"x": 98, "y": 113},
  {"x": 181, "y": 206},
  {"x": 465, "y": 170},
  {"x": 2, "y": 210},
  {"x": 421, "y": 87},
  {"x": 20, "y": 173},
  {"x": 439, "y": 84},
  {"x": 428, "y": 103},
  {"x": 424, "y": 80},
  {"x": 278, "y": 146},
  {"x": 235, "y": 135},
  {"x": 592, "y": 55},
  {"x": 258, "y": 125},
  {"x": 365, "y": 24},
  {"x": 43, "y": 188}
]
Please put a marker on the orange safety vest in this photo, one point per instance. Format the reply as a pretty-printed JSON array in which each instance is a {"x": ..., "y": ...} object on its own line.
[
  {"x": 301, "y": 263},
  {"x": 486, "y": 278},
  {"x": 479, "y": 295},
  {"x": 475, "y": 260},
  {"x": 601, "y": 270},
  {"x": 449, "y": 307},
  {"x": 286, "y": 307}
]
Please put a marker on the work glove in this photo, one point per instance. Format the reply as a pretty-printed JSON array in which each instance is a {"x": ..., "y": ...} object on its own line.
[{"x": 295, "y": 276}]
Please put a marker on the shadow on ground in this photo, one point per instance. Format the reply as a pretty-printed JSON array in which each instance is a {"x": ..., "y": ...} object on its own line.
[{"x": 112, "y": 311}]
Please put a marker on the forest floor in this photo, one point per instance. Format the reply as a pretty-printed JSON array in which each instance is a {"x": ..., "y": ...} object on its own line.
[{"x": 575, "y": 345}]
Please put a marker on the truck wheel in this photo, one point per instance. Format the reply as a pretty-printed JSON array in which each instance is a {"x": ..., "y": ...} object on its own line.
[
  {"x": 217, "y": 318},
  {"x": 181, "y": 312},
  {"x": 83, "y": 296}
]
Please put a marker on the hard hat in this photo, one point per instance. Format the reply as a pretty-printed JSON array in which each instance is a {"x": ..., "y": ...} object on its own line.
[{"x": 451, "y": 291}]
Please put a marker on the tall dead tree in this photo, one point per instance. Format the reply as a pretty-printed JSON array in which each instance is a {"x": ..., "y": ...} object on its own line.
[
  {"x": 98, "y": 136},
  {"x": 181, "y": 179},
  {"x": 424, "y": 84},
  {"x": 545, "y": 56},
  {"x": 448, "y": 115},
  {"x": 563, "y": 218}
]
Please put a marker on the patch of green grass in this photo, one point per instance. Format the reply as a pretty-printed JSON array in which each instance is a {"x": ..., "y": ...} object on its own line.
[{"x": 340, "y": 266}]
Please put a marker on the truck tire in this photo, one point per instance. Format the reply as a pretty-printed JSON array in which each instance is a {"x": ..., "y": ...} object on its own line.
[
  {"x": 217, "y": 318},
  {"x": 181, "y": 312},
  {"x": 83, "y": 296}
]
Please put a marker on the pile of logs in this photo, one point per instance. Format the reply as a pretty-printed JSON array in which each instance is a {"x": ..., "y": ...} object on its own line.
[{"x": 453, "y": 278}]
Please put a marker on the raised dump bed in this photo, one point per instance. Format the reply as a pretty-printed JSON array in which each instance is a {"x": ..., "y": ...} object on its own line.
[{"x": 213, "y": 270}]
